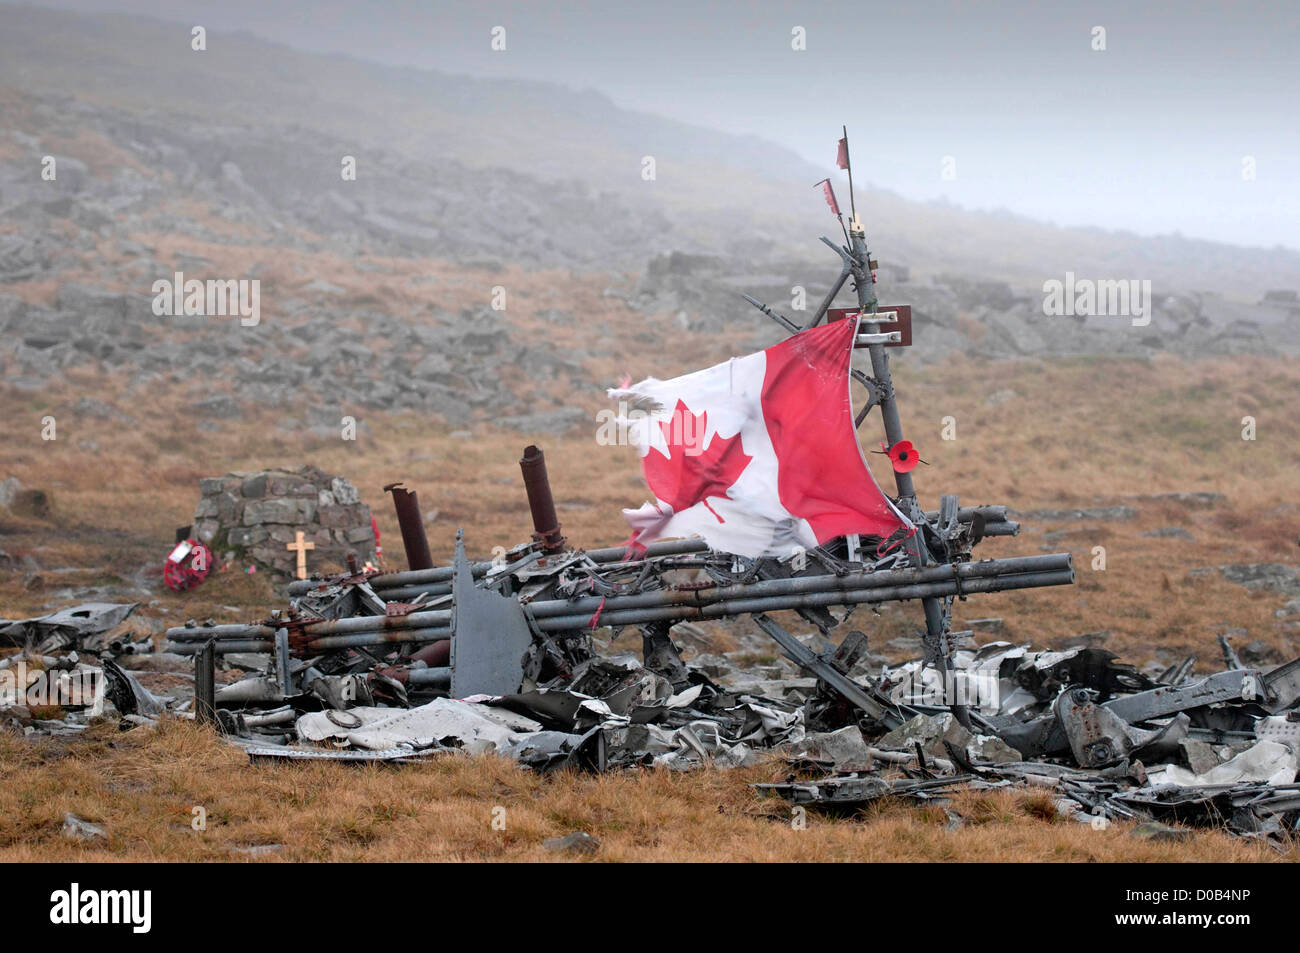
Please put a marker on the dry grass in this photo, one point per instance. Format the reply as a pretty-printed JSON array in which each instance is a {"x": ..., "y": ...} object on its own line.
[
  {"x": 143, "y": 786},
  {"x": 1080, "y": 433}
]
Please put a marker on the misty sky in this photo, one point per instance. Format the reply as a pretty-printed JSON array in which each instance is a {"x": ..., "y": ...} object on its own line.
[{"x": 1147, "y": 136}]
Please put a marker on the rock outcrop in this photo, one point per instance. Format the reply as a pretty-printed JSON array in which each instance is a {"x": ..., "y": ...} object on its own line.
[{"x": 256, "y": 515}]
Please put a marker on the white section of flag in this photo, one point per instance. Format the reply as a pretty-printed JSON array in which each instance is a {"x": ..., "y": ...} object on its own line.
[{"x": 754, "y": 523}]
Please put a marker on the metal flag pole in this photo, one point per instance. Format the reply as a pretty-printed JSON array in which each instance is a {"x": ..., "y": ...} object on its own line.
[
  {"x": 856, "y": 263},
  {"x": 937, "y": 621}
]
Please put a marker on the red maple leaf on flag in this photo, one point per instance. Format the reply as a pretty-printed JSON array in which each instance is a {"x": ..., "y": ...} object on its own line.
[{"x": 692, "y": 472}]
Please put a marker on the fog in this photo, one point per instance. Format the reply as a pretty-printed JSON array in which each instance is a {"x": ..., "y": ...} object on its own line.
[{"x": 1158, "y": 133}]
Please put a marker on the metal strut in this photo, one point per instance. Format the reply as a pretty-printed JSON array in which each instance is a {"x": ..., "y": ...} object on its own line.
[{"x": 857, "y": 261}]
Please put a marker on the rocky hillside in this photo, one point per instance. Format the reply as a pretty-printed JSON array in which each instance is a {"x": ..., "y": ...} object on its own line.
[{"x": 462, "y": 273}]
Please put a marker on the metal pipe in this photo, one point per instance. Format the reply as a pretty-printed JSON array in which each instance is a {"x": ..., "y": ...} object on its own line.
[
  {"x": 991, "y": 514},
  {"x": 743, "y": 602},
  {"x": 804, "y": 584},
  {"x": 223, "y": 646},
  {"x": 414, "y": 541},
  {"x": 936, "y": 616},
  {"x": 281, "y": 716},
  {"x": 546, "y": 525},
  {"x": 360, "y": 623},
  {"x": 434, "y": 655},
  {"x": 718, "y": 610},
  {"x": 434, "y": 677},
  {"x": 361, "y": 639},
  {"x": 776, "y": 316},
  {"x": 195, "y": 636},
  {"x": 198, "y": 633},
  {"x": 846, "y": 269},
  {"x": 373, "y": 623},
  {"x": 205, "y": 682},
  {"x": 761, "y": 589},
  {"x": 407, "y": 593},
  {"x": 323, "y": 644}
]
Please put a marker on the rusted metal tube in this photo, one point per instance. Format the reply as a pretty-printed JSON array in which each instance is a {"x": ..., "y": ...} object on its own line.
[
  {"x": 435, "y": 654},
  {"x": 201, "y": 633},
  {"x": 719, "y": 610},
  {"x": 991, "y": 514},
  {"x": 221, "y": 646},
  {"x": 406, "y": 593},
  {"x": 411, "y": 523},
  {"x": 205, "y": 687},
  {"x": 370, "y": 623},
  {"x": 360, "y": 623},
  {"x": 326, "y": 643},
  {"x": 1002, "y": 528},
  {"x": 546, "y": 525},
  {"x": 757, "y": 590},
  {"x": 437, "y": 677},
  {"x": 360, "y": 639}
]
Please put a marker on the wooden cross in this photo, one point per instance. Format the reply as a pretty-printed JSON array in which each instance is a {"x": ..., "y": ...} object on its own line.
[{"x": 301, "y": 546}]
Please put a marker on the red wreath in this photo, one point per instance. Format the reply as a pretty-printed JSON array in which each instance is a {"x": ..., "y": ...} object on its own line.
[{"x": 187, "y": 566}]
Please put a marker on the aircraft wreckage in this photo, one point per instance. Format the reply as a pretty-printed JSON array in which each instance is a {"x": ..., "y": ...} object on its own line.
[{"x": 763, "y": 503}]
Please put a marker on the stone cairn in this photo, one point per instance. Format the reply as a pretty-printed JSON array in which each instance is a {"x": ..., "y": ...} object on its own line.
[{"x": 255, "y": 516}]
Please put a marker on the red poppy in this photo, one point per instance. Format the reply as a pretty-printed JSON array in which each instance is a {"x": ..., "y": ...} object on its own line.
[{"x": 904, "y": 456}]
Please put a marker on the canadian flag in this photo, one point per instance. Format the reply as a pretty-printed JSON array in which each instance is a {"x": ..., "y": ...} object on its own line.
[{"x": 758, "y": 455}]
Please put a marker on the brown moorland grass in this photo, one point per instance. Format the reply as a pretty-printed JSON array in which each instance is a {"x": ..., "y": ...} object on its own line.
[
  {"x": 1079, "y": 433},
  {"x": 144, "y": 787}
]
